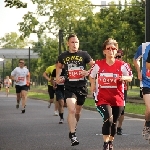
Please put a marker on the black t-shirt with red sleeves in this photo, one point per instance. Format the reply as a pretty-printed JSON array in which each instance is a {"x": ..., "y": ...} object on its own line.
[{"x": 74, "y": 63}]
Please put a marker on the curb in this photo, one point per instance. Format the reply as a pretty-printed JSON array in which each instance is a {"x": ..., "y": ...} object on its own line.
[{"x": 126, "y": 114}]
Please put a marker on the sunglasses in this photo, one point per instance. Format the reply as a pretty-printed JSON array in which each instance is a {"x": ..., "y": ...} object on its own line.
[
  {"x": 118, "y": 56},
  {"x": 111, "y": 48}
]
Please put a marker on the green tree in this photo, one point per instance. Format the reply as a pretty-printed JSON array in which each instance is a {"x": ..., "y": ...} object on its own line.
[
  {"x": 15, "y": 3},
  {"x": 48, "y": 52},
  {"x": 59, "y": 15},
  {"x": 115, "y": 22},
  {"x": 12, "y": 40}
]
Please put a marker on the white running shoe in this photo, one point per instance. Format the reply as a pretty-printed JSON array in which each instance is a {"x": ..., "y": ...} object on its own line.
[
  {"x": 61, "y": 121},
  {"x": 55, "y": 113}
]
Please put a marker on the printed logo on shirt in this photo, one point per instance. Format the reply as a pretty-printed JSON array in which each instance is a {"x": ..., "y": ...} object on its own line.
[{"x": 73, "y": 58}]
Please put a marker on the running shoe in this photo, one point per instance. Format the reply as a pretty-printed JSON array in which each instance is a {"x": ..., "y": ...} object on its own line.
[
  {"x": 119, "y": 131},
  {"x": 23, "y": 111},
  {"x": 55, "y": 113},
  {"x": 146, "y": 133},
  {"x": 17, "y": 106},
  {"x": 106, "y": 146},
  {"x": 61, "y": 121},
  {"x": 110, "y": 143},
  {"x": 74, "y": 140}
]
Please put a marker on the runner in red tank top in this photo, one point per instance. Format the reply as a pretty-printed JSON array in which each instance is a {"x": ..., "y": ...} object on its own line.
[{"x": 107, "y": 79}]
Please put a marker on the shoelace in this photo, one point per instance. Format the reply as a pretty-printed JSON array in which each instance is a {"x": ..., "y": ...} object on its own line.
[{"x": 74, "y": 139}]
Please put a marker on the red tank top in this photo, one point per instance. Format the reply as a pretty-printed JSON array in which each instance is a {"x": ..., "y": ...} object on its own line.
[{"x": 110, "y": 88}]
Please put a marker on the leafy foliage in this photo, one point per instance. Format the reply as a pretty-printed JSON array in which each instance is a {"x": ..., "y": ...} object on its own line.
[
  {"x": 48, "y": 52},
  {"x": 59, "y": 14},
  {"x": 125, "y": 24},
  {"x": 12, "y": 40},
  {"x": 15, "y": 3}
]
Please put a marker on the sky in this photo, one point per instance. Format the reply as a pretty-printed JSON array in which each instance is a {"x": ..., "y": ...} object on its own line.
[{"x": 9, "y": 17}]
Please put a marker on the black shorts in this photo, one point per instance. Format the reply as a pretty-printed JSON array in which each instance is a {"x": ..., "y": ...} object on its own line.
[
  {"x": 59, "y": 95},
  {"x": 145, "y": 90},
  {"x": 80, "y": 93},
  {"x": 21, "y": 88},
  {"x": 51, "y": 91}
]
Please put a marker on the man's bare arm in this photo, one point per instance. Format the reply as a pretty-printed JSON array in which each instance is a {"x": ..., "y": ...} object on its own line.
[
  {"x": 137, "y": 64},
  {"x": 58, "y": 71},
  {"x": 137, "y": 67}
]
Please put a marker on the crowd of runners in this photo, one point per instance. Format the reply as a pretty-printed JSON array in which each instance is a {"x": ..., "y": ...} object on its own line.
[{"x": 109, "y": 78}]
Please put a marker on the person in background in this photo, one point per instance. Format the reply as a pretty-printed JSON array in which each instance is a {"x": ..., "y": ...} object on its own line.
[
  {"x": 7, "y": 83},
  {"x": 119, "y": 56},
  {"x": 47, "y": 75},
  {"x": 144, "y": 77},
  {"x": 107, "y": 79},
  {"x": 59, "y": 91},
  {"x": 20, "y": 75},
  {"x": 1, "y": 85}
]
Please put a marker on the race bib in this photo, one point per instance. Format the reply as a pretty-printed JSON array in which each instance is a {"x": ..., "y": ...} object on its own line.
[
  {"x": 62, "y": 81},
  {"x": 108, "y": 80},
  {"x": 75, "y": 74},
  {"x": 21, "y": 78}
]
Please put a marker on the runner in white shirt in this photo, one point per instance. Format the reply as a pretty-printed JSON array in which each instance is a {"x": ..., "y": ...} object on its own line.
[
  {"x": 21, "y": 76},
  {"x": 7, "y": 83}
]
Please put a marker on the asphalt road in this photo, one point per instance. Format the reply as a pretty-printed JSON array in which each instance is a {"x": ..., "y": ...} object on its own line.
[{"x": 38, "y": 129}]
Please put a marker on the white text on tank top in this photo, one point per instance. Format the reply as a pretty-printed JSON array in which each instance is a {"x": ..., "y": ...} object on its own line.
[{"x": 108, "y": 80}]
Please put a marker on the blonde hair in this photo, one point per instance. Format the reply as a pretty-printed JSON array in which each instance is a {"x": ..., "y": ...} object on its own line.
[{"x": 110, "y": 41}]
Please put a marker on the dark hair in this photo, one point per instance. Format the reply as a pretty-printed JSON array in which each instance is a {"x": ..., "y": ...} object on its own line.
[
  {"x": 70, "y": 36},
  {"x": 21, "y": 59},
  {"x": 110, "y": 41}
]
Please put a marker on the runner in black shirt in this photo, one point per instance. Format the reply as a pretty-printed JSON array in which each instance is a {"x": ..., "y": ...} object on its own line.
[
  {"x": 74, "y": 62},
  {"x": 59, "y": 91}
]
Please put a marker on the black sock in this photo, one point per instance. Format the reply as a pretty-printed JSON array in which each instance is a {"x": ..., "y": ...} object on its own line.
[
  {"x": 72, "y": 134},
  {"x": 61, "y": 115},
  {"x": 105, "y": 143},
  {"x": 147, "y": 123}
]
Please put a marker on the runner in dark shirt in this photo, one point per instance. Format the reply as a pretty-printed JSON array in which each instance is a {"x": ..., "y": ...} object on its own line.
[
  {"x": 59, "y": 91},
  {"x": 74, "y": 62}
]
